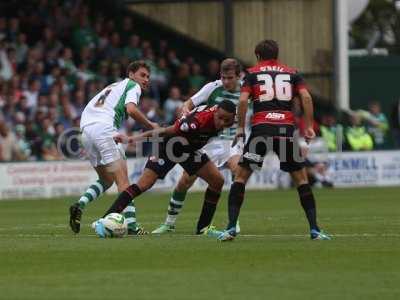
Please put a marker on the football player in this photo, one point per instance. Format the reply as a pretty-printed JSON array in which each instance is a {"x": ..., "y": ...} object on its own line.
[
  {"x": 100, "y": 120},
  {"x": 219, "y": 149},
  {"x": 181, "y": 144},
  {"x": 272, "y": 87}
]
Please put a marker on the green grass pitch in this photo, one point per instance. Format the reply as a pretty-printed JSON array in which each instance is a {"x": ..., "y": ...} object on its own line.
[{"x": 273, "y": 258}]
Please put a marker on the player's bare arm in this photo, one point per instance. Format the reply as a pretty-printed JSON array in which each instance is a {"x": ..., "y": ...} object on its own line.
[
  {"x": 187, "y": 107},
  {"x": 138, "y": 116},
  {"x": 307, "y": 103},
  {"x": 242, "y": 110},
  {"x": 161, "y": 131}
]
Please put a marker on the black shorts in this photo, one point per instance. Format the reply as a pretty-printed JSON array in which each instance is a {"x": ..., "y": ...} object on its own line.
[
  {"x": 162, "y": 164},
  {"x": 258, "y": 145}
]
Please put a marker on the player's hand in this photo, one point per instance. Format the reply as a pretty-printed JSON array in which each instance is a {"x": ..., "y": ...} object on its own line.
[
  {"x": 309, "y": 134},
  {"x": 183, "y": 111},
  {"x": 240, "y": 136},
  {"x": 121, "y": 138}
]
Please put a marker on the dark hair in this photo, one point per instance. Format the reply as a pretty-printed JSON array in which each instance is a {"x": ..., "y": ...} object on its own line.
[
  {"x": 231, "y": 64},
  {"x": 136, "y": 65},
  {"x": 227, "y": 105},
  {"x": 267, "y": 49}
]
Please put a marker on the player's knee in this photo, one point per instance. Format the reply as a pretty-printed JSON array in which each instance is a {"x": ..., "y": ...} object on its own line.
[
  {"x": 217, "y": 182},
  {"x": 185, "y": 183},
  {"x": 242, "y": 174},
  {"x": 299, "y": 177}
]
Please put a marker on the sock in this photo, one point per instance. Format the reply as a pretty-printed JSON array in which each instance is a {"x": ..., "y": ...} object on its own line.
[
  {"x": 235, "y": 200},
  {"x": 130, "y": 215},
  {"x": 175, "y": 206},
  {"x": 209, "y": 206},
  {"x": 92, "y": 193},
  {"x": 124, "y": 199},
  {"x": 308, "y": 203}
]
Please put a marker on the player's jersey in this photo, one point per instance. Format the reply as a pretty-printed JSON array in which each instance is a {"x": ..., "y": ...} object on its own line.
[
  {"x": 212, "y": 94},
  {"x": 197, "y": 127},
  {"x": 109, "y": 106},
  {"x": 272, "y": 87}
]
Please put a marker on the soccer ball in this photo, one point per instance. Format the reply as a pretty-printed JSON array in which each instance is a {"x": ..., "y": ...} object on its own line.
[{"x": 113, "y": 225}]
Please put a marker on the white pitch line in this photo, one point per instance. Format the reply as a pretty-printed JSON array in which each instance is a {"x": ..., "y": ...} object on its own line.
[{"x": 357, "y": 235}]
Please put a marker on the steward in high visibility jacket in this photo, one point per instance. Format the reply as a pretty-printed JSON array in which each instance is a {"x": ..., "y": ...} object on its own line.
[{"x": 357, "y": 136}]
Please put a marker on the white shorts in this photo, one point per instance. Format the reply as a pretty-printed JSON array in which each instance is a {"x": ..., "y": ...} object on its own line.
[
  {"x": 100, "y": 147},
  {"x": 220, "y": 151}
]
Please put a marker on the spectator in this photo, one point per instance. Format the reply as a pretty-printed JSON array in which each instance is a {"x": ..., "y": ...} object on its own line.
[
  {"x": 21, "y": 48},
  {"x": 8, "y": 144},
  {"x": 357, "y": 137},
  {"x": 182, "y": 80},
  {"x": 32, "y": 94},
  {"x": 84, "y": 73},
  {"x": 83, "y": 35},
  {"x": 79, "y": 102},
  {"x": 126, "y": 30},
  {"x": 21, "y": 142},
  {"x": 6, "y": 70},
  {"x": 132, "y": 51},
  {"x": 173, "y": 61},
  {"x": 113, "y": 51},
  {"x": 377, "y": 124},
  {"x": 172, "y": 105},
  {"x": 331, "y": 132},
  {"x": 213, "y": 72},
  {"x": 160, "y": 77},
  {"x": 196, "y": 80},
  {"x": 66, "y": 62}
]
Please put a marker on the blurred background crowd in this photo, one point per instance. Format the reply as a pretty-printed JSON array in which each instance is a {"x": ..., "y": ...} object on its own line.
[{"x": 55, "y": 58}]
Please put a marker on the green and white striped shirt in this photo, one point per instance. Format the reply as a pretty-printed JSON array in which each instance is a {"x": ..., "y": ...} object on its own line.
[
  {"x": 109, "y": 106},
  {"x": 213, "y": 93}
]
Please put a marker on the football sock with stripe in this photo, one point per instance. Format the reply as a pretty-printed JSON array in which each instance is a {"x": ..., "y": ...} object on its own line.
[
  {"x": 92, "y": 193},
  {"x": 175, "y": 206},
  {"x": 235, "y": 201},
  {"x": 129, "y": 213},
  {"x": 124, "y": 199},
  {"x": 209, "y": 206},
  {"x": 308, "y": 203}
]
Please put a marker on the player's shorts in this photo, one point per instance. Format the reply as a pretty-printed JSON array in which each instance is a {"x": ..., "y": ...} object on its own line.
[
  {"x": 259, "y": 145},
  {"x": 100, "y": 147},
  {"x": 162, "y": 164},
  {"x": 220, "y": 151}
]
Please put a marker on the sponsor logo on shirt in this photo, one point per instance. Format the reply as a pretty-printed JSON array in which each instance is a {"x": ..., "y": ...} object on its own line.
[{"x": 275, "y": 116}]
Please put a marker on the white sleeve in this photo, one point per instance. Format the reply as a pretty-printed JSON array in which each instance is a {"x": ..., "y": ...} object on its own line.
[
  {"x": 133, "y": 95},
  {"x": 202, "y": 96}
]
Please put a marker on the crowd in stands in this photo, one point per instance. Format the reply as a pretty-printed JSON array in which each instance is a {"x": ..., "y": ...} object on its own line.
[
  {"x": 57, "y": 56},
  {"x": 364, "y": 130}
]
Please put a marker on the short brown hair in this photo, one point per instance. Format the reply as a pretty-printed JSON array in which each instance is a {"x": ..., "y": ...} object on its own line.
[
  {"x": 231, "y": 64},
  {"x": 267, "y": 49},
  {"x": 136, "y": 65}
]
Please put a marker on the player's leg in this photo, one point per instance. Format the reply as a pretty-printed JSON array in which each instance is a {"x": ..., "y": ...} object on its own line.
[
  {"x": 155, "y": 168},
  {"x": 176, "y": 203},
  {"x": 232, "y": 165},
  {"x": 146, "y": 181},
  {"x": 292, "y": 161},
  {"x": 252, "y": 158},
  {"x": 307, "y": 202},
  {"x": 119, "y": 172},
  {"x": 96, "y": 189},
  {"x": 210, "y": 174}
]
